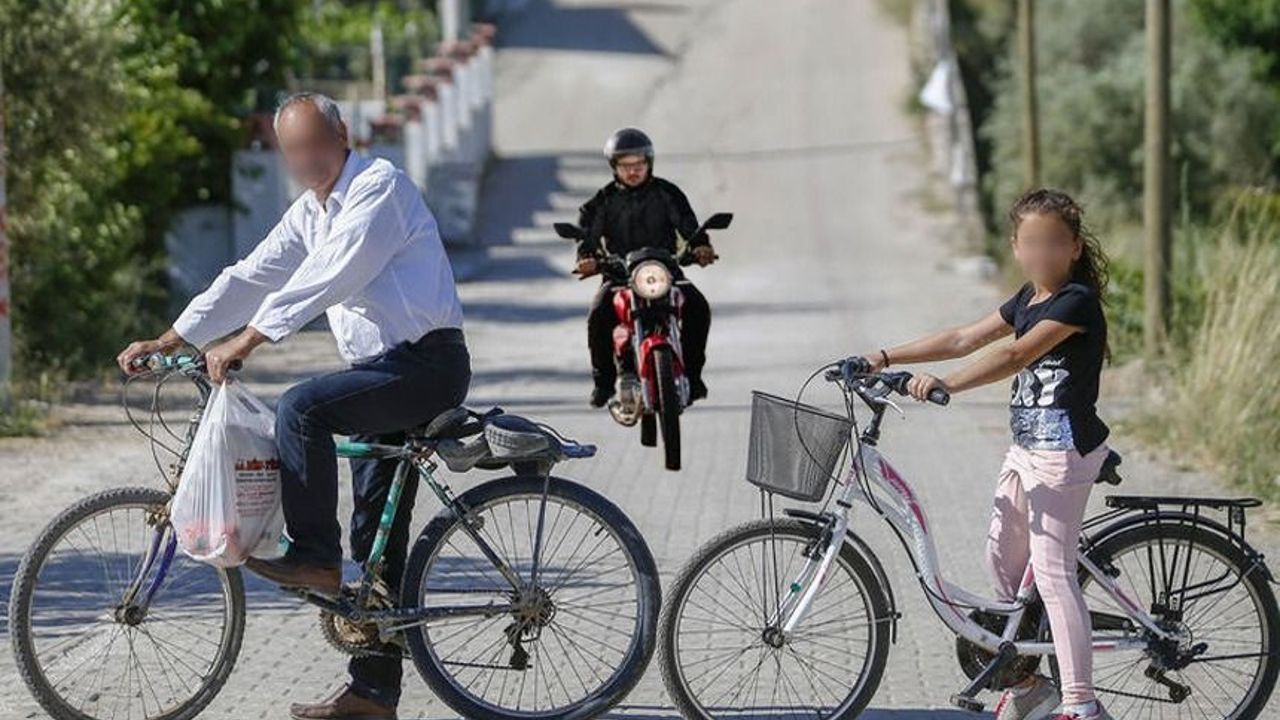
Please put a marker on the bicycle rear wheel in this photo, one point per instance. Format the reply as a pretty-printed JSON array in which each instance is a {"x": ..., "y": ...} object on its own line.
[
  {"x": 722, "y": 654},
  {"x": 1199, "y": 584},
  {"x": 582, "y": 633},
  {"x": 86, "y": 651}
]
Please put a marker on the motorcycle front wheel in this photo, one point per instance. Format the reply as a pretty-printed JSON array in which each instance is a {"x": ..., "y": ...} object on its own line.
[{"x": 668, "y": 405}]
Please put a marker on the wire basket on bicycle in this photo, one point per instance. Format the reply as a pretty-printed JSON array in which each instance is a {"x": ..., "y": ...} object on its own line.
[{"x": 794, "y": 448}]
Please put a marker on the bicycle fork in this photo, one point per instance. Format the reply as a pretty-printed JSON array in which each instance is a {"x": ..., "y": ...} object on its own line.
[{"x": 804, "y": 588}]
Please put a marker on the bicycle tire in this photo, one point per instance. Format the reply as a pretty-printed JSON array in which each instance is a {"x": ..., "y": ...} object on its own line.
[
  {"x": 669, "y": 406},
  {"x": 641, "y": 645},
  {"x": 1257, "y": 585},
  {"x": 25, "y": 584},
  {"x": 850, "y": 558}
]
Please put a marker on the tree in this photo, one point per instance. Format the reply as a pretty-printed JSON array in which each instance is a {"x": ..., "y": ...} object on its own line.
[{"x": 120, "y": 114}]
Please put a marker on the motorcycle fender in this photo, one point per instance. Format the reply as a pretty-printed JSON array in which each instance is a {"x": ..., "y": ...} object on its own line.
[
  {"x": 621, "y": 338},
  {"x": 622, "y": 305},
  {"x": 647, "y": 346}
]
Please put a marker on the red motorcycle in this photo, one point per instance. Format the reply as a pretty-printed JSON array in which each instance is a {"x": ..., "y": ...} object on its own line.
[{"x": 652, "y": 387}]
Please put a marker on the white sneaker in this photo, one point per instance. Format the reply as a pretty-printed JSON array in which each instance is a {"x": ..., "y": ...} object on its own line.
[
  {"x": 1032, "y": 702},
  {"x": 1099, "y": 713}
]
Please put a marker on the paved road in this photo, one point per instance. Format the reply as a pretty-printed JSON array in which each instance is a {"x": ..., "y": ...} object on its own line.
[{"x": 789, "y": 115}]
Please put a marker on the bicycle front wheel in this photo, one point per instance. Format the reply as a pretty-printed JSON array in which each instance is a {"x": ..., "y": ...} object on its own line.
[
  {"x": 723, "y": 654},
  {"x": 86, "y": 641},
  {"x": 579, "y": 632}
]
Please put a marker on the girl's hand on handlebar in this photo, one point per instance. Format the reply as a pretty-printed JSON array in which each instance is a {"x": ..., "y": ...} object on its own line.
[
  {"x": 920, "y": 385},
  {"x": 875, "y": 361}
]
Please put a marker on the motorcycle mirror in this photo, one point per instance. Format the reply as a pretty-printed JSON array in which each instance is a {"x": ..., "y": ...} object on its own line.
[
  {"x": 569, "y": 231},
  {"x": 719, "y": 221}
]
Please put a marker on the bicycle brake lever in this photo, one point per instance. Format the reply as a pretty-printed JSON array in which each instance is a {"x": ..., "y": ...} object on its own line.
[{"x": 884, "y": 399}]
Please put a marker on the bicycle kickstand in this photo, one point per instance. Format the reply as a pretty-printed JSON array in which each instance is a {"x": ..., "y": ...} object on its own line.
[{"x": 966, "y": 699}]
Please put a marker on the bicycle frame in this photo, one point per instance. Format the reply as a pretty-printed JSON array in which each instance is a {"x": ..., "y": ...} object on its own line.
[
  {"x": 415, "y": 454},
  {"x": 898, "y": 504}
]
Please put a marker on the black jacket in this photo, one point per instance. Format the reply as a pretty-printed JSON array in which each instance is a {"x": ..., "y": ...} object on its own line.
[{"x": 620, "y": 219}]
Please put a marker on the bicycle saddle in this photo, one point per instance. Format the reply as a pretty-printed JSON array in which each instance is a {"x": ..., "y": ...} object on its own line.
[{"x": 451, "y": 423}]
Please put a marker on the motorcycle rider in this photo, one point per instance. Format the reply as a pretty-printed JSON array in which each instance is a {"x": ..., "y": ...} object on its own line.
[{"x": 638, "y": 210}]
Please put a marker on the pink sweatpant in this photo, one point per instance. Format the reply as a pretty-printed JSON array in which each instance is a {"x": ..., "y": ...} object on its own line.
[{"x": 1039, "y": 507}]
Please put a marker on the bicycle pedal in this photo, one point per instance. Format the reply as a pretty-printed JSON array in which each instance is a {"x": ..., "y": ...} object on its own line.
[{"x": 964, "y": 702}]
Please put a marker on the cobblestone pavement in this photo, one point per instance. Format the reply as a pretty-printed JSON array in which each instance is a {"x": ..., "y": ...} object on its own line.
[{"x": 792, "y": 119}]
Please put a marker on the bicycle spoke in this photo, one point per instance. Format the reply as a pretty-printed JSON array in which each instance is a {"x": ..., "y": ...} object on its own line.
[
  {"x": 585, "y": 574},
  {"x": 730, "y": 663}
]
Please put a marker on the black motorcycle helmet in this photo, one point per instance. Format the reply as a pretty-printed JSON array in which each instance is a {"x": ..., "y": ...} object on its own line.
[{"x": 628, "y": 141}]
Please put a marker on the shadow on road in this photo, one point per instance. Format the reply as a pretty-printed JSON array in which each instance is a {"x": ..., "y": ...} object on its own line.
[
  {"x": 516, "y": 187},
  {"x": 649, "y": 712},
  {"x": 72, "y": 593},
  {"x": 545, "y": 25}
]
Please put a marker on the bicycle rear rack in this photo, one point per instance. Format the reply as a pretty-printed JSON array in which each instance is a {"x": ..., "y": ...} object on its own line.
[{"x": 1151, "y": 509}]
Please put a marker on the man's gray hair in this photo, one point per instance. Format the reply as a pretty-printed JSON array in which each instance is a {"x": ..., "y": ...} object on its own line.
[{"x": 325, "y": 104}]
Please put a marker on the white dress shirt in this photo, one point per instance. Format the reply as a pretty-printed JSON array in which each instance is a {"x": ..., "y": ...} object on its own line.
[{"x": 371, "y": 258}]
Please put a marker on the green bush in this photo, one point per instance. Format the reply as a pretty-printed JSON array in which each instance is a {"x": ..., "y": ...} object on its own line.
[
  {"x": 118, "y": 116},
  {"x": 1091, "y": 82}
]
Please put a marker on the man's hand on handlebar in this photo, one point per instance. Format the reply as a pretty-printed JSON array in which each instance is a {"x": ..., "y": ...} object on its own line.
[
  {"x": 132, "y": 360},
  {"x": 230, "y": 354},
  {"x": 586, "y": 267}
]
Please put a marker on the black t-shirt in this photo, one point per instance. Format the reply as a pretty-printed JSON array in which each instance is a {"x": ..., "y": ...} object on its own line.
[{"x": 1062, "y": 384}]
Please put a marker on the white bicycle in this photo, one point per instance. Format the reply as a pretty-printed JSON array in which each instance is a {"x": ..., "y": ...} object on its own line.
[{"x": 793, "y": 616}]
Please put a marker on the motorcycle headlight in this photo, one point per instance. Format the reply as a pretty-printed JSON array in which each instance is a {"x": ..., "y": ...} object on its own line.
[{"x": 651, "y": 280}]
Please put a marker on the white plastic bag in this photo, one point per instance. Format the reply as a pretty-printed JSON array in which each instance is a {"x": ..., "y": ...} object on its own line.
[{"x": 227, "y": 507}]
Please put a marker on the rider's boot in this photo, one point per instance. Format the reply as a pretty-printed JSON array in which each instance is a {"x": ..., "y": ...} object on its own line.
[
  {"x": 604, "y": 382},
  {"x": 343, "y": 704},
  {"x": 697, "y": 389},
  {"x": 600, "y": 395},
  {"x": 1086, "y": 711},
  {"x": 1032, "y": 701},
  {"x": 290, "y": 573}
]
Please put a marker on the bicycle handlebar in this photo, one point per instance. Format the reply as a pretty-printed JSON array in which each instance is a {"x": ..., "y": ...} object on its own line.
[
  {"x": 183, "y": 361},
  {"x": 855, "y": 374}
]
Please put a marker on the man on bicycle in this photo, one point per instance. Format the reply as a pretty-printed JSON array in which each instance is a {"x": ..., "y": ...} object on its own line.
[
  {"x": 362, "y": 247},
  {"x": 637, "y": 210}
]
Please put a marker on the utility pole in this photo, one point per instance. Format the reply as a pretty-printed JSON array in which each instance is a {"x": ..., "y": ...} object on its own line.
[
  {"x": 1155, "y": 180},
  {"x": 1030, "y": 111},
  {"x": 6, "y": 330}
]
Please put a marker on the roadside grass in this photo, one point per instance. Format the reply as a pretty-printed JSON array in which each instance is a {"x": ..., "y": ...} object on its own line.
[
  {"x": 1218, "y": 402},
  {"x": 23, "y": 420},
  {"x": 27, "y": 410}
]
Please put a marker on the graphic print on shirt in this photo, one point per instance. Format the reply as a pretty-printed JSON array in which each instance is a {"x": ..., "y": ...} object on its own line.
[{"x": 1037, "y": 385}]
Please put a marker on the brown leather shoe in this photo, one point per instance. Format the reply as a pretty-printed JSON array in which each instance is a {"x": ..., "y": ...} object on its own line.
[
  {"x": 343, "y": 705},
  {"x": 291, "y": 574}
]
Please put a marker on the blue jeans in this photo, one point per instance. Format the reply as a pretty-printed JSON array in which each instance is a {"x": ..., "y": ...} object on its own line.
[{"x": 373, "y": 401}]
